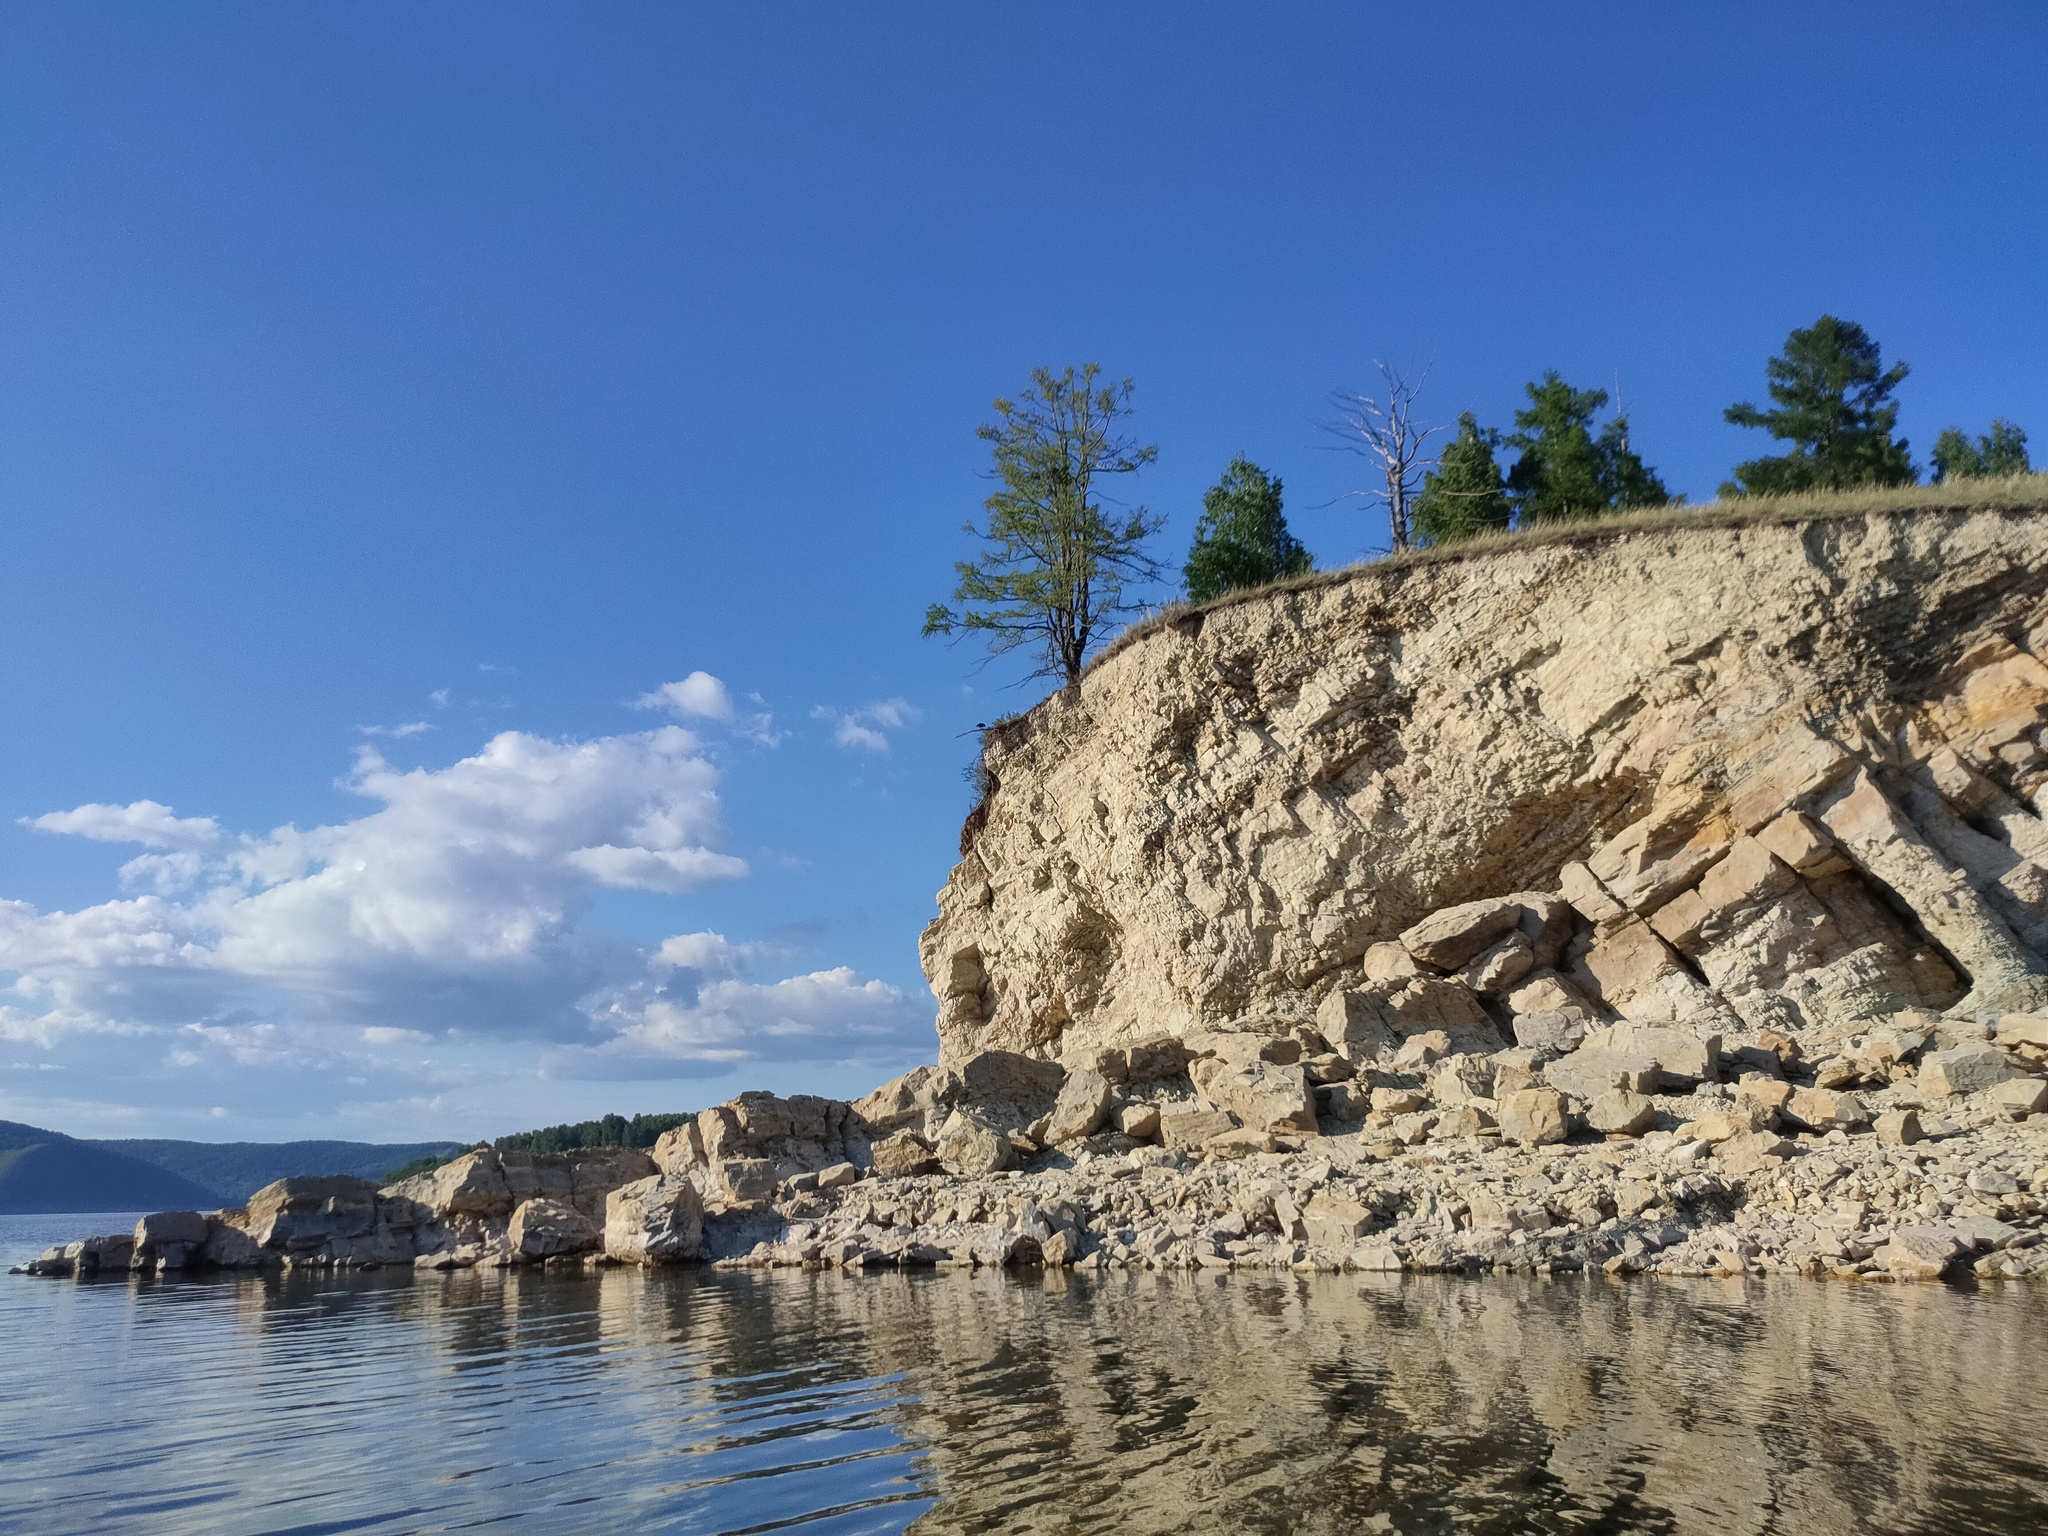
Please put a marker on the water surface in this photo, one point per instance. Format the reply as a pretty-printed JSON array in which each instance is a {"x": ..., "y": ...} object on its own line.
[{"x": 727, "y": 1402}]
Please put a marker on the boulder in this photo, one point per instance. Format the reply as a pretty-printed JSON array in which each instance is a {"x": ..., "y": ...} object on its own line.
[
  {"x": 1398, "y": 1101},
  {"x": 543, "y": 1229},
  {"x": 1083, "y": 1104},
  {"x": 1450, "y": 938},
  {"x": 2026, "y": 1033},
  {"x": 1587, "y": 1073},
  {"x": 1824, "y": 1109},
  {"x": 1365, "y": 1022},
  {"x": 970, "y": 1146},
  {"x": 903, "y": 1155},
  {"x": 1618, "y": 1112},
  {"x": 1496, "y": 969},
  {"x": 1185, "y": 1129},
  {"x": 907, "y": 1102},
  {"x": 2018, "y": 1097},
  {"x": 655, "y": 1220},
  {"x": 796, "y": 1135},
  {"x": 1140, "y": 1122},
  {"x": 1533, "y": 1117},
  {"x": 168, "y": 1240},
  {"x": 1965, "y": 1069},
  {"x": 229, "y": 1247},
  {"x": 483, "y": 1187},
  {"x": 336, "y": 1221},
  {"x": 743, "y": 1180},
  {"x": 1419, "y": 1051},
  {"x": 1262, "y": 1096},
  {"x": 1460, "y": 1079},
  {"x": 1918, "y": 1253},
  {"x": 1681, "y": 1056},
  {"x": 1752, "y": 1151},
  {"x": 1551, "y": 1030},
  {"x": 838, "y": 1176},
  {"x": 1899, "y": 1128},
  {"x": 1335, "y": 1223}
]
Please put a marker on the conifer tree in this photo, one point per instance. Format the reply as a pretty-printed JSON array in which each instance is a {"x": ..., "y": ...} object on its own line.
[
  {"x": 1465, "y": 494},
  {"x": 2003, "y": 452},
  {"x": 1058, "y": 562},
  {"x": 1242, "y": 539},
  {"x": 1834, "y": 405},
  {"x": 1564, "y": 470}
]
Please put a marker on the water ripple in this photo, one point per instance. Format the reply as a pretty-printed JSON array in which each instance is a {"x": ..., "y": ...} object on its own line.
[{"x": 825, "y": 1403}]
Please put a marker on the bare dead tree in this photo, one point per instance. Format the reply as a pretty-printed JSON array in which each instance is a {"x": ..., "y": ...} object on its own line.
[{"x": 1383, "y": 430}]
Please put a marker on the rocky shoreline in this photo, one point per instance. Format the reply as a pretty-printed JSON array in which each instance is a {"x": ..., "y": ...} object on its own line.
[
  {"x": 1676, "y": 903},
  {"x": 1915, "y": 1150}
]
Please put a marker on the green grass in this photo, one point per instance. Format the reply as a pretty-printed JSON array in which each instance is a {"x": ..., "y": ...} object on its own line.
[{"x": 2019, "y": 493}]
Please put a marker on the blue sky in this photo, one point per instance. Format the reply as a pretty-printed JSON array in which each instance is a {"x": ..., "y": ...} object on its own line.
[{"x": 382, "y": 379}]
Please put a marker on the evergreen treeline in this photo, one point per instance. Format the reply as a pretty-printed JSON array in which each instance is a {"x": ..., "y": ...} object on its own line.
[
  {"x": 1057, "y": 560},
  {"x": 640, "y": 1131}
]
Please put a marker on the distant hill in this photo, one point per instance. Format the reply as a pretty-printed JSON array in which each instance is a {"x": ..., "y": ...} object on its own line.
[
  {"x": 45, "y": 1173},
  {"x": 239, "y": 1168}
]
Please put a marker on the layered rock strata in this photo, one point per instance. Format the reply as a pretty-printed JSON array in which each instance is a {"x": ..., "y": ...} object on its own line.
[{"x": 1778, "y": 777}]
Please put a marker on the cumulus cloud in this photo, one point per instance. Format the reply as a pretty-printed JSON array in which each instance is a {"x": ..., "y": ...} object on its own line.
[
  {"x": 708, "y": 1027},
  {"x": 436, "y": 949},
  {"x": 867, "y": 726},
  {"x": 458, "y": 892},
  {"x": 702, "y": 696},
  {"x": 698, "y": 694},
  {"x": 145, "y": 822}
]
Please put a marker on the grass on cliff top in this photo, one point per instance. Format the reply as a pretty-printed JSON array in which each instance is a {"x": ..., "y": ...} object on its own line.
[{"x": 2018, "y": 493}]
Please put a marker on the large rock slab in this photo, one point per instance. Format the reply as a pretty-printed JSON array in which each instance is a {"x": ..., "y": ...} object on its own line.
[{"x": 655, "y": 1220}]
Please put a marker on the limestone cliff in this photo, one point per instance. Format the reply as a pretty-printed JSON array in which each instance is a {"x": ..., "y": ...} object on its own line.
[{"x": 1766, "y": 777}]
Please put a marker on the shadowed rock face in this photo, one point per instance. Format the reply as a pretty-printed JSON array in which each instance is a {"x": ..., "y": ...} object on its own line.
[{"x": 1776, "y": 778}]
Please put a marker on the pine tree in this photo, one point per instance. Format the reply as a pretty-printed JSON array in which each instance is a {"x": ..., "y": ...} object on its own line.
[
  {"x": 1834, "y": 402},
  {"x": 1465, "y": 494},
  {"x": 2003, "y": 452},
  {"x": 1242, "y": 539},
  {"x": 1564, "y": 470},
  {"x": 1058, "y": 562}
]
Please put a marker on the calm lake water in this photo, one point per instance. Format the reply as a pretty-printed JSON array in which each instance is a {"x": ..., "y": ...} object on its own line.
[{"x": 688, "y": 1401}]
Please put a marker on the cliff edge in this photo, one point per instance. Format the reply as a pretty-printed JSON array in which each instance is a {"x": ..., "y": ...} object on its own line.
[{"x": 1770, "y": 777}]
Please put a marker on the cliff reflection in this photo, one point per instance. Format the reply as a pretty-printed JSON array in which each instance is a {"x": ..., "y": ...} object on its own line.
[
  {"x": 1178, "y": 1403},
  {"x": 954, "y": 1402}
]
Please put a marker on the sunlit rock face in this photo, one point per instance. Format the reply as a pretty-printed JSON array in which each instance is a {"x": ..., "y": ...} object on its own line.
[{"x": 1729, "y": 780}]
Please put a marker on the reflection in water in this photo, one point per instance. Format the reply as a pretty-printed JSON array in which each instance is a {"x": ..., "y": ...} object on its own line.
[{"x": 954, "y": 1402}]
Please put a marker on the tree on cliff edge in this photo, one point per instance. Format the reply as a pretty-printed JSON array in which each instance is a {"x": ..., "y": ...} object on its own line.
[
  {"x": 1465, "y": 495},
  {"x": 1057, "y": 561},
  {"x": 1568, "y": 471},
  {"x": 1834, "y": 405},
  {"x": 1242, "y": 539},
  {"x": 2002, "y": 453}
]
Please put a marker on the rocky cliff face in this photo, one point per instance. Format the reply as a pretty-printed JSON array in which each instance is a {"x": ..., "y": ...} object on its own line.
[{"x": 1778, "y": 778}]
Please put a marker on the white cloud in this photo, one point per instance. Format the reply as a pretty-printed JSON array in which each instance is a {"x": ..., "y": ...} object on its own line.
[
  {"x": 825, "y": 1016},
  {"x": 699, "y": 694},
  {"x": 702, "y": 696},
  {"x": 866, "y": 727},
  {"x": 453, "y": 902},
  {"x": 145, "y": 822},
  {"x": 424, "y": 960},
  {"x": 410, "y": 728}
]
